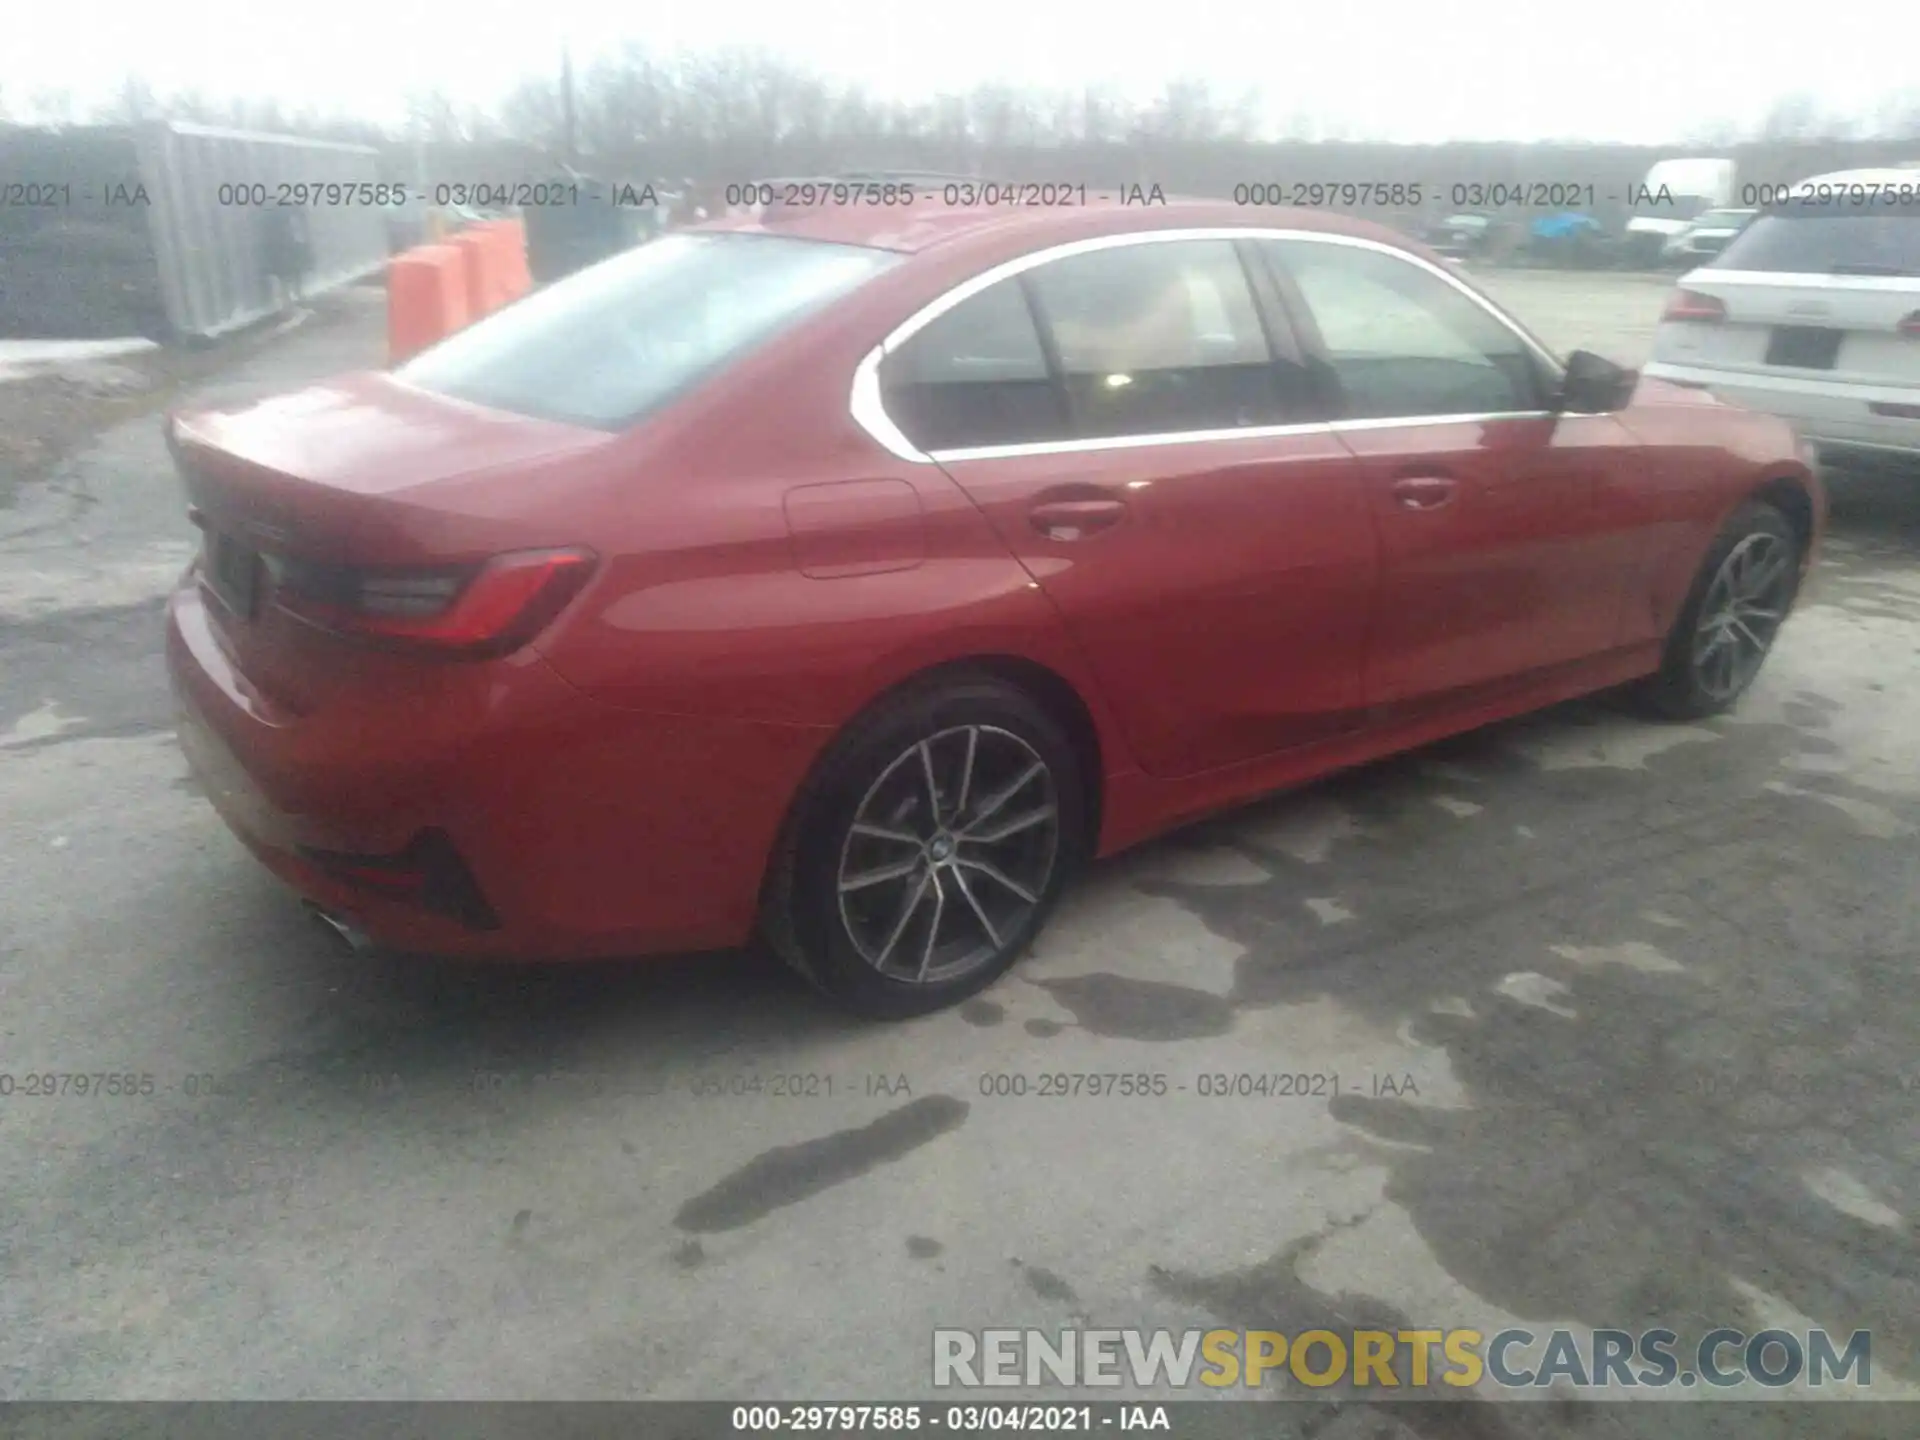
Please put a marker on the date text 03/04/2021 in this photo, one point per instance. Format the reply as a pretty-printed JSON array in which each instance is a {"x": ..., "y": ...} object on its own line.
[
  {"x": 38, "y": 1085},
  {"x": 1067, "y": 1085},
  {"x": 1002, "y": 1419},
  {"x": 959, "y": 194},
  {"x": 1415, "y": 194}
]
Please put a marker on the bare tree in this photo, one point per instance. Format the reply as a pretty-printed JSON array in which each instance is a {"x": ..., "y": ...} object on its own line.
[
  {"x": 194, "y": 106},
  {"x": 1000, "y": 117},
  {"x": 258, "y": 112},
  {"x": 634, "y": 103},
  {"x": 1185, "y": 112},
  {"x": 534, "y": 112},
  {"x": 743, "y": 113},
  {"x": 1792, "y": 117},
  {"x": 1717, "y": 135},
  {"x": 51, "y": 107},
  {"x": 1246, "y": 121},
  {"x": 434, "y": 119},
  {"x": 134, "y": 103},
  {"x": 1105, "y": 117},
  {"x": 1898, "y": 116}
]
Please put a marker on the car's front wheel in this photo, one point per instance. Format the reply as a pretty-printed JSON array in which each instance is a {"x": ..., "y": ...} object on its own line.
[
  {"x": 928, "y": 848},
  {"x": 1732, "y": 615}
]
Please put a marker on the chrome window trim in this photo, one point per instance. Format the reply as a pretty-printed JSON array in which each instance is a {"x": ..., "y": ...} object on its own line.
[
  {"x": 1130, "y": 442},
  {"x": 871, "y": 415},
  {"x": 868, "y": 409},
  {"x": 1396, "y": 422}
]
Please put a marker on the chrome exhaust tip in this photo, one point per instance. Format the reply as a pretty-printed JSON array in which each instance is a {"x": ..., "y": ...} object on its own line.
[{"x": 347, "y": 933}]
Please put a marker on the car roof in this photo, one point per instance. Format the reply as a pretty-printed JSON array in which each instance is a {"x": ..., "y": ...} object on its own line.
[
  {"x": 927, "y": 224},
  {"x": 1896, "y": 175}
]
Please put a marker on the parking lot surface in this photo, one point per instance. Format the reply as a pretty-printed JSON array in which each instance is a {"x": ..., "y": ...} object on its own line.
[
  {"x": 1611, "y": 314},
  {"x": 1621, "y": 1018}
]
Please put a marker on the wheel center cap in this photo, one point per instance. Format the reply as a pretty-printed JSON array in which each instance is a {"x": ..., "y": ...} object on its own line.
[{"x": 941, "y": 847}]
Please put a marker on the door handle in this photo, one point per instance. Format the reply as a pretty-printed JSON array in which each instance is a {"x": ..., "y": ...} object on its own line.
[
  {"x": 1075, "y": 519},
  {"x": 1425, "y": 492}
]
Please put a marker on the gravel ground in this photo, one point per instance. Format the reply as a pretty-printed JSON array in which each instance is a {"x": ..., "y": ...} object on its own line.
[
  {"x": 45, "y": 418},
  {"x": 1610, "y": 313}
]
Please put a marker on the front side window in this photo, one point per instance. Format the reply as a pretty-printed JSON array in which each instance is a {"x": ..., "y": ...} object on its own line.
[
  {"x": 1402, "y": 342},
  {"x": 606, "y": 347}
]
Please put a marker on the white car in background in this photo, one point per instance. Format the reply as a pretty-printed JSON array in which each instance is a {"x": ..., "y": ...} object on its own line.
[
  {"x": 1708, "y": 235},
  {"x": 1812, "y": 313},
  {"x": 1674, "y": 195}
]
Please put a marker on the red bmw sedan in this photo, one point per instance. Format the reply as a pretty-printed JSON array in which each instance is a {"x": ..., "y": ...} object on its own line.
[{"x": 850, "y": 577}]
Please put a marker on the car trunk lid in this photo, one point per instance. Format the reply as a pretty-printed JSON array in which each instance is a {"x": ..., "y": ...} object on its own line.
[
  {"x": 368, "y": 470},
  {"x": 363, "y": 473}
]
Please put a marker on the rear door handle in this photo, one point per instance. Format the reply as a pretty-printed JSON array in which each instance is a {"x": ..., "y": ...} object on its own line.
[
  {"x": 1075, "y": 519},
  {"x": 1425, "y": 492}
]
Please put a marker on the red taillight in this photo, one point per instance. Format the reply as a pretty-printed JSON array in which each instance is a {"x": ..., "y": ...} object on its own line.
[
  {"x": 1911, "y": 325},
  {"x": 472, "y": 610},
  {"x": 1692, "y": 305}
]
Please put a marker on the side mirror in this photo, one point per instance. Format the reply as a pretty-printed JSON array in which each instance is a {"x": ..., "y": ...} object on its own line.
[{"x": 1594, "y": 385}]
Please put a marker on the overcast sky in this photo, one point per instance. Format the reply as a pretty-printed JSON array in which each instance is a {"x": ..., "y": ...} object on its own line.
[{"x": 1650, "y": 71}]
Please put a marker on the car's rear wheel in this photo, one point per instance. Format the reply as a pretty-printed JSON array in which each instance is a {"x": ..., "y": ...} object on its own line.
[
  {"x": 928, "y": 848},
  {"x": 1732, "y": 615}
]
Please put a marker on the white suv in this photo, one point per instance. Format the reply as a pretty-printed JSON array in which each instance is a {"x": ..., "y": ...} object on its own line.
[{"x": 1812, "y": 313}]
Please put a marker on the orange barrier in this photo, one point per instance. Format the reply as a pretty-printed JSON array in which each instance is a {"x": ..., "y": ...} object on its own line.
[
  {"x": 427, "y": 298},
  {"x": 516, "y": 278},
  {"x": 481, "y": 255},
  {"x": 436, "y": 289}
]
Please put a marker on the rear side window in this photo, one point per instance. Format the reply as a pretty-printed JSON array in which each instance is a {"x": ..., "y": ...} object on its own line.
[
  {"x": 608, "y": 346},
  {"x": 1829, "y": 239},
  {"x": 1403, "y": 343},
  {"x": 976, "y": 375},
  {"x": 1147, "y": 339},
  {"x": 1160, "y": 338}
]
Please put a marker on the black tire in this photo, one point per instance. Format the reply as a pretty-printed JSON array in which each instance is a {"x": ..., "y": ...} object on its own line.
[
  {"x": 831, "y": 941},
  {"x": 1682, "y": 688}
]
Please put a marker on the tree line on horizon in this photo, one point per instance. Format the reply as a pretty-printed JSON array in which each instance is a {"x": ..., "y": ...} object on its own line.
[{"x": 748, "y": 106}]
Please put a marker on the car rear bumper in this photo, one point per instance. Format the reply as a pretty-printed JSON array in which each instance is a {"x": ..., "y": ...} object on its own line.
[
  {"x": 586, "y": 830},
  {"x": 1827, "y": 412}
]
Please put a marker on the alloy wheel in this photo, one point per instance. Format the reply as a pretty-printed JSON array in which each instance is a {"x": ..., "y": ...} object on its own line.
[
  {"x": 950, "y": 853},
  {"x": 1741, "y": 614}
]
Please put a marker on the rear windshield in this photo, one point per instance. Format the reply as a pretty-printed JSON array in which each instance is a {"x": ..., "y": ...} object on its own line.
[
  {"x": 606, "y": 347},
  {"x": 1829, "y": 239}
]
